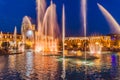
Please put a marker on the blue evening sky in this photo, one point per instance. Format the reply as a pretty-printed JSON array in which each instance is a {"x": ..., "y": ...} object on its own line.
[{"x": 12, "y": 12}]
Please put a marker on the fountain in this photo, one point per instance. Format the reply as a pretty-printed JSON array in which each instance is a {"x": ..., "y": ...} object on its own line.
[
  {"x": 95, "y": 47},
  {"x": 41, "y": 6},
  {"x": 63, "y": 29},
  {"x": 112, "y": 22},
  {"x": 84, "y": 19},
  {"x": 84, "y": 15},
  {"x": 48, "y": 30},
  {"x": 63, "y": 41},
  {"x": 15, "y": 37},
  {"x": 26, "y": 26}
]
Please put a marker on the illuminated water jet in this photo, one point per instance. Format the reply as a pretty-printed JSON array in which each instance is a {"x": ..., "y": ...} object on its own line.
[
  {"x": 112, "y": 22},
  {"x": 84, "y": 19},
  {"x": 15, "y": 37},
  {"x": 84, "y": 15},
  {"x": 41, "y": 7},
  {"x": 63, "y": 29},
  {"x": 26, "y": 26},
  {"x": 95, "y": 47},
  {"x": 48, "y": 30},
  {"x": 63, "y": 42}
]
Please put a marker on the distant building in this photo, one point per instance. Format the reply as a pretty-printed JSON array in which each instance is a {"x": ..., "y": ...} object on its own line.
[
  {"x": 115, "y": 40},
  {"x": 79, "y": 42}
]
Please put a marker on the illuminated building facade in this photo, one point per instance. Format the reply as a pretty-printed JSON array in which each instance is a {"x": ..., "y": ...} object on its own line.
[
  {"x": 77, "y": 43},
  {"x": 7, "y": 37},
  {"x": 109, "y": 42}
]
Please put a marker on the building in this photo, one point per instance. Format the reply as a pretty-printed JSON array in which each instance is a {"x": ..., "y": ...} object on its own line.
[
  {"x": 8, "y": 37},
  {"x": 81, "y": 42}
]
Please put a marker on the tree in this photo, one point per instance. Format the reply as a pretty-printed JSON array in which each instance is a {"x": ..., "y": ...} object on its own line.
[{"x": 5, "y": 45}]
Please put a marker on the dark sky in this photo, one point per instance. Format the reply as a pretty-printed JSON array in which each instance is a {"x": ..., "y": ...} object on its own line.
[{"x": 12, "y": 12}]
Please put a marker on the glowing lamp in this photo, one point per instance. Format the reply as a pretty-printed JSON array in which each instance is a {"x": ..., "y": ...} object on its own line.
[{"x": 29, "y": 33}]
